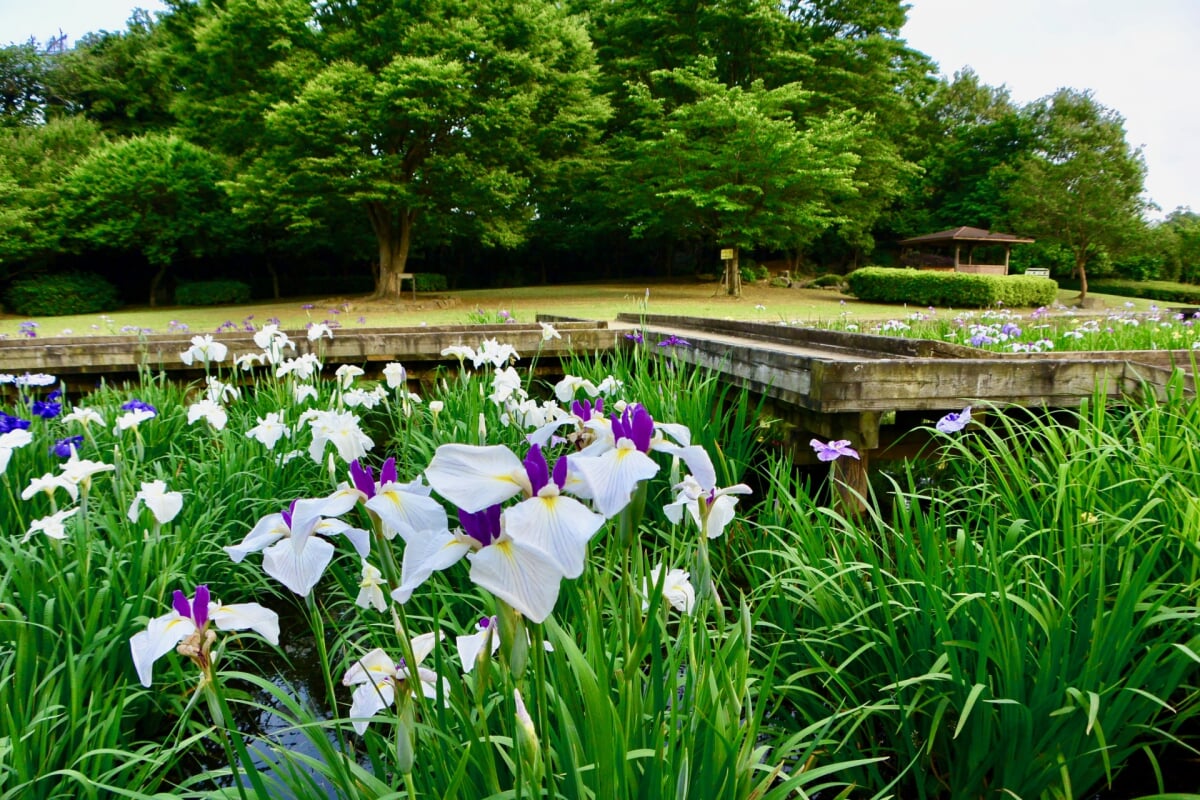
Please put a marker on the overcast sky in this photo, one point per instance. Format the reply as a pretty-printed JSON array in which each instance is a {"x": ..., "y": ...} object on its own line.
[{"x": 1139, "y": 58}]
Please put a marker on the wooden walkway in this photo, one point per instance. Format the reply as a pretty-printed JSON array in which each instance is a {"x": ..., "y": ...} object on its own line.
[
  {"x": 843, "y": 385},
  {"x": 832, "y": 384}
]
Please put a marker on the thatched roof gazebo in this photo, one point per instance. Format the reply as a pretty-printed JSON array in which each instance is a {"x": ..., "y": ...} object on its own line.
[{"x": 958, "y": 239}]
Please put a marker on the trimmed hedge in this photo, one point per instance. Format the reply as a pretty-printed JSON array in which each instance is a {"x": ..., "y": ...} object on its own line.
[
  {"x": 212, "y": 293},
  {"x": 1163, "y": 291},
  {"x": 430, "y": 281},
  {"x": 953, "y": 289},
  {"x": 67, "y": 293}
]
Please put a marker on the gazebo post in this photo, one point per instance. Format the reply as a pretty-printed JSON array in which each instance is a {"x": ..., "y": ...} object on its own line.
[
  {"x": 956, "y": 246},
  {"x": 1007, "y": 250}
]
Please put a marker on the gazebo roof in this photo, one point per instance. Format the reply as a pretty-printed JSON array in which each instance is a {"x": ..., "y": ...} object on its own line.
[{"x": 968, "y": 235}]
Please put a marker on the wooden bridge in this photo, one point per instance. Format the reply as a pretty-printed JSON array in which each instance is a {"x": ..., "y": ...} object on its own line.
[{"x": 866, "y": 388}]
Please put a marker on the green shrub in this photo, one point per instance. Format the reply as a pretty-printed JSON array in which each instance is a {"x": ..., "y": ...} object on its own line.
[
  {"x": 430, "y": 281},
  {"x": 828, "y": 281},
  {"x": 212, "y": 293},
  {"x": 67, "y": 293},
  {"x": 752, "y": 271},
  {"x": 954, "y": 289},
  {"x": 1163, "y": 291}
]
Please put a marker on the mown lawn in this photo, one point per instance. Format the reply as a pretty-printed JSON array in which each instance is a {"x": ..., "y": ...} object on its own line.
[{"x": 603, "y": 301}]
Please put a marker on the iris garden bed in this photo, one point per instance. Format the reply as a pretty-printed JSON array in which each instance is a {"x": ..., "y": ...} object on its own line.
[{"x": 1017, "y": 616}]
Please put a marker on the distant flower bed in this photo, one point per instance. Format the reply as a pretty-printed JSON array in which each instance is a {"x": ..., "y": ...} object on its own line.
[{"x": 1037, "y": 331}]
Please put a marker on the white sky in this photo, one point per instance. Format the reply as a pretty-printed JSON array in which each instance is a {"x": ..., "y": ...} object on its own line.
[
  {"x": 20, "y": 19},
  {"x": 1140, "y": 58}
]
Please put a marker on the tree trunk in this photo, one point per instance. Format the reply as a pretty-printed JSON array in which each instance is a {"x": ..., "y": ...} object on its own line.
[
  {"x": 394, "y": 236},
  {"x": 1081, "y": 268},
  {"x": 154, "y": 283},
  {"x": 274, "y": 273},
  {"x": 733, "y": 276}
]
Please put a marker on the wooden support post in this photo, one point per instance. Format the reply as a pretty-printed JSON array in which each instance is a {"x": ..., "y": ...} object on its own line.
[
  {"x": 850, "y": 483},
  {"x": 861, "y": 429}
]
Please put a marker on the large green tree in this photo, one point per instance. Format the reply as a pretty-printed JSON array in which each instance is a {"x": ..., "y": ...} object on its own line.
[
  {"x": 34, "y": 161},
  {"x": 23, "y": 89},
  {"x": 1082, "y": 184},
  {"x": 973, "y": 137},
  {"x": 848, "y": 56},
  {"x": 733, "y": 168},
  {"x": 156, "y": 196},
  {"x": 115, "y": 79},
  {"x": 431, "y": 115}
]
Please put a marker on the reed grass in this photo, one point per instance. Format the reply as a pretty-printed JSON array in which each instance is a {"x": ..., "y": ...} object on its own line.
[{"x": 1015, "y": 615}]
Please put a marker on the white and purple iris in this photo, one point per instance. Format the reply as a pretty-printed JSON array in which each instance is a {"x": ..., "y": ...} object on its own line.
[
  {"x": 189, "y": 623},
  {"x": 521, "y": 553},
  {"x": 404, "y": 508},
  {"x": 376, "y": 678},
  {"x": 293, "y": 553}
]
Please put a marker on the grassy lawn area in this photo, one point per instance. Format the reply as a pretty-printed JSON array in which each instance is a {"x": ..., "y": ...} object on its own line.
[{"x": 600, "y": 301}]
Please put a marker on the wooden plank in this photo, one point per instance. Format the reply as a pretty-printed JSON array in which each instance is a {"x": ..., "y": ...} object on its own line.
[
  {"x": 871, "y": 345},
  {"x": 97, "y": 354},
  {"x": 928, "y": 384}
]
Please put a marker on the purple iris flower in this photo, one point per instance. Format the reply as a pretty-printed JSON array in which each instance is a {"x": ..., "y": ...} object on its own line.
[
  {"x": 955, "y": 421},
  {"x": 138, "y": 405},
  {"x": 364, "y": 478},
  {"x": 832, "y": 451},
  {"x": 62, "y": 447},
  {"x": 634, "y": 337},
  {"x": 539, "y": 471},
  {"x": 197, "y": 609},
  {"x": 1009, "y": 329},
  {"x": 482, "y": 526},
  {"x": 10, "y": 423},
  {"x": 583, "y": 409},
  {"x": 634, "y": 424},
  {"x": 980, "y": 339},
  {"x": 45, "y": 409},
  {"x": 674, "y": 341},
  {"x": 287, "y": 515}
]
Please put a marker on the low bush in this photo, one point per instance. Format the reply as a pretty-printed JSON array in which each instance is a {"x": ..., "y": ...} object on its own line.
[
  {"x": 430, "y": 281},
  {"x": 954, "y": 289},
  {"x": 57, "y": 295},
  {"x": 1163, "y": 291},
  {"x": 212, "y": 293},
  {"x": 828, "y": 281}
]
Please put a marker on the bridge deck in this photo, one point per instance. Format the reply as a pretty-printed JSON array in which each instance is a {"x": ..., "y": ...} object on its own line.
[
  {"x": 816, "y": 371},
  {"x": 833, "y": 372}
]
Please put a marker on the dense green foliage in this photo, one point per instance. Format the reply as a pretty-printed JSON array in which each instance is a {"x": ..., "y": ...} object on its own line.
[
  {"x": 212, "y": 293},
  {"x": 503, "y": 142},
  {"x": 952, "y": 289},
  {"x": 430, "y": 281},
  {"x": 1014, "y": 612},
  {"x": 65, "y": 293}
]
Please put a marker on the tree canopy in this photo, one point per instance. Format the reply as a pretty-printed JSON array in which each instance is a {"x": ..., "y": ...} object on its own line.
[
  {"x": 1082, "y": 182},
  {"x": 501, "y": 141}
]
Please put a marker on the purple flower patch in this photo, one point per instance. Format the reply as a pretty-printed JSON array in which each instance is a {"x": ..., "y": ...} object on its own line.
[
  {"x": 955, "y": 421},
  {"x": 832, "y": 451}
]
